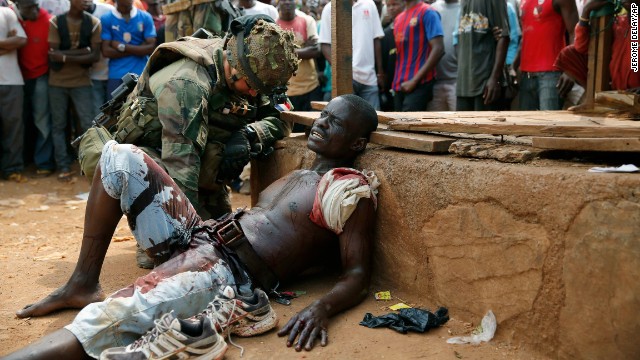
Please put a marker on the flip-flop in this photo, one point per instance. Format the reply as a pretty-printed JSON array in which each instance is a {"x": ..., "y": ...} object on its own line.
[{"x": 65, "y": 176}]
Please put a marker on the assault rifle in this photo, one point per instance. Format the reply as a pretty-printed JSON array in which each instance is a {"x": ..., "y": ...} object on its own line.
[{"x": 108, "y": 115}]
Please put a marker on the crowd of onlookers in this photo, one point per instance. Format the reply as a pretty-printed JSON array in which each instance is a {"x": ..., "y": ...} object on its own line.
[
  {"x": 408, "y": 55},
  {"x": 71, "y": 54}
]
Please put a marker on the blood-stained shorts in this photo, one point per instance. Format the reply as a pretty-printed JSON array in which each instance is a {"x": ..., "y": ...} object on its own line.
[{"x": 163, "y": 222}]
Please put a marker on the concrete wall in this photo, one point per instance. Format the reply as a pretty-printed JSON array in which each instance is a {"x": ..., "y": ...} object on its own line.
[{"x": 553, "y": 250}]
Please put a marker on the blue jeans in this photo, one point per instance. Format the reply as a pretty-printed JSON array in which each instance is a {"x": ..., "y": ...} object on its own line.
[
  {"x": 416, "y": 100},
  {"x": 100, "y": 94},
  {"x": 367, "y": 92},
  {"x": 11, "y": 97},
  {"x": 37, "y": 90},
  {"x": 538, "y": 91},
  {"x": 82, "y": 98}
]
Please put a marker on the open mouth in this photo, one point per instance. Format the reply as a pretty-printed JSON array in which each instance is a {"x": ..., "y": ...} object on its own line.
[{"x": 316, "y": 135}]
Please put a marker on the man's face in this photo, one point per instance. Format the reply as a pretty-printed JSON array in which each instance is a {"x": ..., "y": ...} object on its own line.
[
  {"x": 78, "y": 5},
  {"x": 335, "y": 131},
  {"x": 287, "y": 9},
  {"x": 394, "y": 7},
  {"x": 28, "y": 10},
  {"x": 124, "y": 6}
]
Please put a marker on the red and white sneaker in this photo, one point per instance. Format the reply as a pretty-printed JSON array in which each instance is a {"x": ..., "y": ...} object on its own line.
[{"x": 232, "y": 313}]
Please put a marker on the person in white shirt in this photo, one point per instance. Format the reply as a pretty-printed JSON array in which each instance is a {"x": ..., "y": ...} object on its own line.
[
  {"x": 366, "y": 34},
  {"x": 12, "y": 37},
  {"x": 254, "y": 7}
]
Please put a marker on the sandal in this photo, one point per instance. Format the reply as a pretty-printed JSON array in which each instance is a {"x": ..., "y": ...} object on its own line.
[
  {"x": 65, "y": 176},
  {"x": 17, "y": 177},
  {"x": 43, "y": 172}
]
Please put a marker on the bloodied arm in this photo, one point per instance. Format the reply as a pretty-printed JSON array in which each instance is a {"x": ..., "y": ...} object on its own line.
[{"x": 355, "y": 253}]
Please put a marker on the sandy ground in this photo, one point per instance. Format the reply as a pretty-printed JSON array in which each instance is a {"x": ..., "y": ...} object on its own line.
[{"x": 40, "y": 230}]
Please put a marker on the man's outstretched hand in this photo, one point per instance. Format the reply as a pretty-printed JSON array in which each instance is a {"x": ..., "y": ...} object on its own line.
[{"x": 307, "y": 325}]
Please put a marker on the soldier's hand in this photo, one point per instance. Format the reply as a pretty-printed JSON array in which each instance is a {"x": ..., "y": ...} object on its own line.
[{"x": 236, "y": 155}]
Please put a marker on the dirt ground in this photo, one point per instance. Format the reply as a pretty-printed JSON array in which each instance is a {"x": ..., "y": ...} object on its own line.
[{"x": 41, "y": 224}]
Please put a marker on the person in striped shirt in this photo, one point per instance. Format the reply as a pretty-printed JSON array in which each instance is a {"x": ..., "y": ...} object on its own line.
[{"x": 419, "y": 46}]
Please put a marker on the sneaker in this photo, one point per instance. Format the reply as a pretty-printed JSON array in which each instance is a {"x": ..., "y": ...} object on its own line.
[
  {"x": 173, "y": 338},
  {"x": 243, "y": 316},
  {"x": 17, "y": 177},
  {"x": 142, "y": 259}
]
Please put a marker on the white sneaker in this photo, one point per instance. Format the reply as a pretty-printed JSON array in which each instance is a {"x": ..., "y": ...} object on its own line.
[{"x": 173, "y": 339}]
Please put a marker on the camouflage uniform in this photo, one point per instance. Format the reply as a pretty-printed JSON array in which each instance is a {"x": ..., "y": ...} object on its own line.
[
  {"x": 186, "y": 16},
  {"x": 196, "y": 115}
]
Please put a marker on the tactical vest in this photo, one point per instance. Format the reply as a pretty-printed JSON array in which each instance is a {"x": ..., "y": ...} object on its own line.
[{"x": 138, "y": 120}]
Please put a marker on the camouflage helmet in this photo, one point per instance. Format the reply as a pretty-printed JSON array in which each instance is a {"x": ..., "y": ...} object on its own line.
[{"x": 268, "y": 59}]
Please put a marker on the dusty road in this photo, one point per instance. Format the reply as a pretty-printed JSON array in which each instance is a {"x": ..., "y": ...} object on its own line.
[{"x": 40, "y": 229}]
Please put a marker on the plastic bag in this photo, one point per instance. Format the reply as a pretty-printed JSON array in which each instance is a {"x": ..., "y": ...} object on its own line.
[
  {"x": 417, "y": 320},
  {"x": 488, "y": 324}
]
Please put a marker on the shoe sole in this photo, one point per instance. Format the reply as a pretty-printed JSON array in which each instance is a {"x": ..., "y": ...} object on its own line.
[
  {"x": 215, "y": 354},
  {"x": 251, "y": 325}
]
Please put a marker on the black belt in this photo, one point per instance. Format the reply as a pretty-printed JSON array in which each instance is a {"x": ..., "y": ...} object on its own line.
[{"x": 230, "y": 234}]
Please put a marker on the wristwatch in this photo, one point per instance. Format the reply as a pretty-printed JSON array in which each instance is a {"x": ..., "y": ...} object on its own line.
[{"x": 121, "y": 47}]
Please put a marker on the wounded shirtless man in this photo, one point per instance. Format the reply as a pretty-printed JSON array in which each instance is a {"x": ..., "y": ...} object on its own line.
[{"x": 299, "y": 217}]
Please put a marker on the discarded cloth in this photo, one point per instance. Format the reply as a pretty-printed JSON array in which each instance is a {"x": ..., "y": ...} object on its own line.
[
  {"x": 488, "y": 327},
  {"x": 413, "y": 319},
  {"x": 338, "y": 194}
]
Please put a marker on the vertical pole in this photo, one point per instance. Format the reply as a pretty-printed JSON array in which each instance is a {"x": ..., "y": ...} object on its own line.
[{"x": 341, "y": 48}]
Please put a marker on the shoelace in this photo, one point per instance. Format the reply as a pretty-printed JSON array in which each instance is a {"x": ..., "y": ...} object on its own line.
[
  {"x": 160, "y": 327},
  {"x": 218, "y": 319}
]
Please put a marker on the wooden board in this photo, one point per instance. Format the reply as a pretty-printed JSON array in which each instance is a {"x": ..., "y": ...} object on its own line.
[
  {"x": 305, "y": 118},
  {"x": 525, "y": 123},
  {"x": 341, "y": 48},
  {"x": 318, "y": 105},
  {"x": 408, "y": 141},
  {"x": 599, "y": 57},
  {"x": 382, "y": 117},
  {"x": 588, "y": 144},
  {"x": 418, "y": 142}
]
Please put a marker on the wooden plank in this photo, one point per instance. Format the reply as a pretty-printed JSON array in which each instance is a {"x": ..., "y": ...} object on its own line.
[
  {"x": 341, "y": 48},
  {"x": 305, "y": 118},
  {"x": 318, "y": 105},
  {"x": 408, "y": 141},
  {"x": 382, "y": 117},
  {"x": 603, "y": 55},
  {"x": 599, "y": 57},
  {"x": 417, "y": 142},
  {"x": 532, "y": 123},
  {"x": 588, "y": 144}
]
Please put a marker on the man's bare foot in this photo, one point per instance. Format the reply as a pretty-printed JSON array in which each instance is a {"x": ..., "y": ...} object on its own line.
[{"x": 66, "y": 297}]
